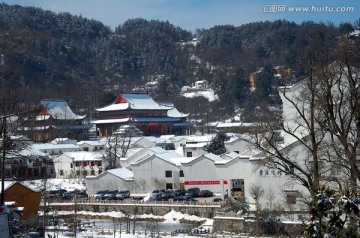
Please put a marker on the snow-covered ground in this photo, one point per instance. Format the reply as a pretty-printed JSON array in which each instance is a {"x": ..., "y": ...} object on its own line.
[{"x": 208, "y": 94}]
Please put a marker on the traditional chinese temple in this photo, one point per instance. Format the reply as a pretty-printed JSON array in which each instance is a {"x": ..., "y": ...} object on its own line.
[
  {"x": 54, "y": 118},
  {"x": 141, "y": 110}
]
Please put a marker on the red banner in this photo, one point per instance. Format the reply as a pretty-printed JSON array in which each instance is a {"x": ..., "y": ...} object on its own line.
[{"x": 205, "y": 182}]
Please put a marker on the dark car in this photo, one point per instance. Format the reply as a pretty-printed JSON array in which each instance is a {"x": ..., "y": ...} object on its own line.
[
  {"x": 123, "y": 194},
  {"x": 100, "y": 194},
  {"x": 81, "y": 195},
  {"x": 192, "y": 192},
  {"x": 184, "y": 199},
  {"x": 206, "y": 193},
  {"x": 113, "y": 197},
  {"x": 67, "y": 196},
  {"x": 137, "y": 198},
  {"x": 179, "y": 192},
  {"x": 166, "y": 195}
]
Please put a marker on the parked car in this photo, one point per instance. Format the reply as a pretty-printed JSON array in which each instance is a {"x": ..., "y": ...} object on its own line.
[
  {"x": 156, "y": 197},
  {"x": 81, "y": 195},
  {"x": 166, "y": 195},
  {"x": 100, "y": 194},
  {"x": 113, "y": 197},
  {"x": 192, "y": 192},
  {"x": 179, "y": 192},
  {"x": 206, "y": 193},
  {"x": 123, "y": 194},
  {"x": 184, "y": 199},
  {"x": 67, "y": 196},
  {"x": 109, "y": 193},
  {"x": 217, "y": 200},
  {"x": 137, "y": 198}
]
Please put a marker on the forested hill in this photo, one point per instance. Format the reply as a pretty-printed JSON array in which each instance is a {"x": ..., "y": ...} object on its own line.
[{"x": 62, "y": 56}]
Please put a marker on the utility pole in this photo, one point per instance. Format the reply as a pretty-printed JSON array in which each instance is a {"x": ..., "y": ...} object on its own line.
[{"x": 3, "y": 162}]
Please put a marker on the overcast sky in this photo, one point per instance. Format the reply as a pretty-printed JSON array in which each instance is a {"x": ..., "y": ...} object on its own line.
[{"x": 193, "y": 14}]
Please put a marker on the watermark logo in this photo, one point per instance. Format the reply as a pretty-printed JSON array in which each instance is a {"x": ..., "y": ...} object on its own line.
[{"x": 279, "y": 8}]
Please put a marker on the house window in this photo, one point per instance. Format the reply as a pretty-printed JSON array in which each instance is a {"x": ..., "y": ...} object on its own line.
[
  {"x": 168, "y": 174},
  {"x": 99, "y": 163},
  {"x": 169, "y": 186},
  {"x": 78, "y": 172},
  {"x": 181, "y": 173},
  {"x": 92, "y": 172},
  {"x": 188, "y": 154},
  {"x": 84, "y": 172},
  {"x": 71, "y": 165},
  {"x": 291, "y": 196},
  {"x": 61, "y": 172},
  {"x": 100, "y": 171},
  {"x": 77, "y": 164},
  {"x": 92, "y": 163},
  {"x": 86, "y": 148}
]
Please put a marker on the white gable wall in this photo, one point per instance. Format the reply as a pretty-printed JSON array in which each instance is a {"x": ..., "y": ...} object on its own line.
[
  {"x": 108, "y": 181},
  {"x": 63, "y": 163},
  {"x": 150, "y": 174}
]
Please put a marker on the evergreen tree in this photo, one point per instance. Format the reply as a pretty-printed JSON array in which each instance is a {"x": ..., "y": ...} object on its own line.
[{"x": 216, "y": 145}]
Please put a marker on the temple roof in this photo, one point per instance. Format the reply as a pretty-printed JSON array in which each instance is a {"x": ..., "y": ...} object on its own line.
[
  {"x": 57, "y": 109},
  {"x": 136, "y": 101}
]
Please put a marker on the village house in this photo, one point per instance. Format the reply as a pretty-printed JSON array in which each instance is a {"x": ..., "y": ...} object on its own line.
[
  {"x": 55, "y": 149},
  {"x": 159, "y": 171},
  {"x": 23, "y": 196},
  {"x": 79, "y": 164},
  {"x": 91, "y": 146},
  {"x": 112, "y": 179},
  {"x": 28, "y": 163}
]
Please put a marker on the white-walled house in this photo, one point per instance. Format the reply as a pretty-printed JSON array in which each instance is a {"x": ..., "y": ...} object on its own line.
[
  {"x": 55, "y": 149},
  {"x": 112, "y": 179},
  {"x": 78, "y": 164},
  {"x": 140, "y": 154},
  {"x": 159, "y": 171},
  {"x": 91, "y": 146},
  {"x": 221, "y": 175},
  {"x": 238, "y": 145}
]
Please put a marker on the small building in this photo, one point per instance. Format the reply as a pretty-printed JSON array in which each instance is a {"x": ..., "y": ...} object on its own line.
[
  {"x": 56, "y": 149},
  {"x": 78, "y": 164},
  {"x": 201, "y": 84},
  {"x": 28, "y": 163},
  {"x": 24, "y": 196},
  {"x": 159, "y": 171},
  {"x": 112, "y": 179},
  {"x": 91, "y": 146}
]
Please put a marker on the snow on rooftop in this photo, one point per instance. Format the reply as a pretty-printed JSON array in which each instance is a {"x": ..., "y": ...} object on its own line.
[
  {"x": 59, "y": 109},
  {"x": 175, "y": 113},
  {"x": 49, "y": 146},
  {"x": 137, "y": 101},
  {"x": 123, "y": 173},
  {"x": 84, "y": 156}
]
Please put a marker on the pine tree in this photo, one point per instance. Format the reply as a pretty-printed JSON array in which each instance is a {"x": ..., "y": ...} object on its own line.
[{"x": 216, "y": 145}]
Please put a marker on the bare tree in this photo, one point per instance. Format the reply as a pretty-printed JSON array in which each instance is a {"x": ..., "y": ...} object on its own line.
[
  {"x": 320, "y": 124},
  {"x": 118, "y": 144}
]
